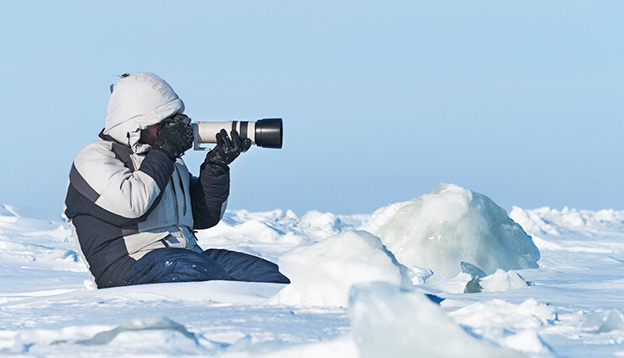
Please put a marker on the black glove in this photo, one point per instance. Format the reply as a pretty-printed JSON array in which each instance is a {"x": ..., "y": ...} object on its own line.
[
  {"x": 175, "y": 136},
  {"x": 227, "y": 149}
]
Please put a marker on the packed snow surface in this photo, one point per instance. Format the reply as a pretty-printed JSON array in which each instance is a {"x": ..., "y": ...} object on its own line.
[{"x": 360, "y": 287}]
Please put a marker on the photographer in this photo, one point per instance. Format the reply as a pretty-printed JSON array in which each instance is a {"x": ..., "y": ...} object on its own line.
[{"x": 133, "y": 205}]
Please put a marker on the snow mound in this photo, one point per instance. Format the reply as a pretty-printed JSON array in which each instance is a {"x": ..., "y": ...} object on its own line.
[
  {"x": 388, "y": 321},
  {"x": 272, "y": 233},
  {"x": 163, "y": 324},
  {"x": 529, "y": 314},
  {"x": 573, "y": 230},
  {"x": 511, "y": 325},
  {"x": 16, "y": 219},
  {"x": 452, "y": 224},
  {"x": 466, "y": 282},
  {"x": 613, "y": 322},
  {"x": 547, "y": 221},
  {"x": 502, "y": 281},
  {"x": 323, "y": 273}
]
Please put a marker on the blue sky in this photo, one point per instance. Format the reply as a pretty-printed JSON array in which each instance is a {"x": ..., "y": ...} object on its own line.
[{"x": 518, "y": 100}]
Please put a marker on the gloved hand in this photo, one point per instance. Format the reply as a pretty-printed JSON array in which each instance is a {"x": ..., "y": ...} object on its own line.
[
  {"x": 227, "y": 149},
  {"x": 175, "y": 136}
]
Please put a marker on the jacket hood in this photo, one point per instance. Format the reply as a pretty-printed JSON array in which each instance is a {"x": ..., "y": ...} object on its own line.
[{"x": 138, "y": 101}]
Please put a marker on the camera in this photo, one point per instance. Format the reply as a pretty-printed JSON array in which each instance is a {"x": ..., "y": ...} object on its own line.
[{"x": 266, "y": 133}]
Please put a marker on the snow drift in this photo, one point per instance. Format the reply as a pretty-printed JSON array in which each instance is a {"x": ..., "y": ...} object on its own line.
[
  {"x": 452, "y": 224},
  {"x": 323, "y": 273}
]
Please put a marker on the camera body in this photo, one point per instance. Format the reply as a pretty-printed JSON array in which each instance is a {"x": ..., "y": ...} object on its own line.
[{"x": 266, "y": 133}]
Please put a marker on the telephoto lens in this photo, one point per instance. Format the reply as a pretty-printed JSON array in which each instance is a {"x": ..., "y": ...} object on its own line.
[{"x": 266, "y": 133}]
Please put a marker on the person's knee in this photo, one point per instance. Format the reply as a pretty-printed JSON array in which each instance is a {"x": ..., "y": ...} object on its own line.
[
  {"x": 184, "y": 270},
  {"x": 175, "y": 265},
  {"x": 245, "y": 267}
]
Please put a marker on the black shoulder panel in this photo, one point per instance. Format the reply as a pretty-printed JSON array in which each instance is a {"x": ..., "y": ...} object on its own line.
[
  {"x": 81, "y": 185},
  {"x": 158, "y": 166},
  {"x": 123, "y": 152}
]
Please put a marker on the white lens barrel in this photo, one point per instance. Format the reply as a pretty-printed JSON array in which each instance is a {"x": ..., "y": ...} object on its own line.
[
  {"x": 206, "y": 132},
  {"x": 265, "y": 132}
]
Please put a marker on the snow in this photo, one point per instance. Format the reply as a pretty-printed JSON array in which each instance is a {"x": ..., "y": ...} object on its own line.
[
  {"x": 449, "y": 225},
  {"x": 390, "y": 322},
  {"x": 322, "y": 274},
  {"x": 350, "y": 295},
  {"x": 502, "y": 281}
]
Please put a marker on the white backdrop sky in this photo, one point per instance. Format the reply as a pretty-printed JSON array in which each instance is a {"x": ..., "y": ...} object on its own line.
[{"x": 518, "y": 100}]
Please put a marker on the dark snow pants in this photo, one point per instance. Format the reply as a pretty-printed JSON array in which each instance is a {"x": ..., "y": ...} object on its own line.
[{"x": 181, "y": 265}]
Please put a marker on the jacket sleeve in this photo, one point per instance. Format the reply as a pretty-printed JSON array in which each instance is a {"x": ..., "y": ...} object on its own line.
[
  {"x": 209, "y": 194},
  {"x": 103, "y": 185}
]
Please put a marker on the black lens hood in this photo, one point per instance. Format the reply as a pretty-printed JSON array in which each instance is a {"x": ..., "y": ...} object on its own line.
[{"x": 269, "y": 133}]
